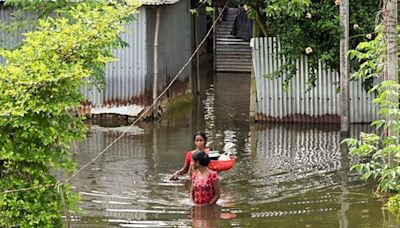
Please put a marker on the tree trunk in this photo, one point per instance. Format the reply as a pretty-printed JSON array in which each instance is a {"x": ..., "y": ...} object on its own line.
[
  {"x": 391, "y": 65},
  {"x": 261, "y": 24},
  {"x": 344, "y": 67},
  {"x": 390, "y": 19}
]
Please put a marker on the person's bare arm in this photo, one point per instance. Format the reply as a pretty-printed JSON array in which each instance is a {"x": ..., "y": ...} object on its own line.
[
  {"x": 181, "y": 171},
  {"x": 217, "y": 189}
]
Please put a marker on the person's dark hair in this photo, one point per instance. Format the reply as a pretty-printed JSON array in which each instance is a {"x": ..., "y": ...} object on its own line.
[
  {"x": 202, "y": 134},
  {"x": 201, "y": 157}
]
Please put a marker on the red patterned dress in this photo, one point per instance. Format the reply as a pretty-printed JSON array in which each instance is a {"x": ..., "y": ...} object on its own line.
[{"x": 203, "y": 189}]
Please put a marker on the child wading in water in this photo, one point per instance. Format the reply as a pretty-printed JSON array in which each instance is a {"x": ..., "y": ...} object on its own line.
[
  {"x": 200, "y": 141},
  {"x": 205, "y": 187}
]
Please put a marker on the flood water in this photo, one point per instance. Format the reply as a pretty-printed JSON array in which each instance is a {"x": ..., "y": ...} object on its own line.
[{"x": 285, "y": 176}]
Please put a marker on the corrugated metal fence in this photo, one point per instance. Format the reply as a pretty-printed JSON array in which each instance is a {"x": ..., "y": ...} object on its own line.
[{"x": 297, "y": 104}]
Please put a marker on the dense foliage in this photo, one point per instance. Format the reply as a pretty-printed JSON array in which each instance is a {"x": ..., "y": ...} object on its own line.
[
  {"x": 39, "y": 94},
  {"x": 381, "y": 152},
  {"x": 312, "y": 27},
  {"x": 379, "y": 149}
]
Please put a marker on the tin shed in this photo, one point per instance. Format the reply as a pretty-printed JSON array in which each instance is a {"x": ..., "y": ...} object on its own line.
[{"x": 129, "y": 81}]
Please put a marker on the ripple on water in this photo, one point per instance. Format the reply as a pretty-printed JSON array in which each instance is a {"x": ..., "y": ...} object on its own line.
[{"x": 291, "y": 175}]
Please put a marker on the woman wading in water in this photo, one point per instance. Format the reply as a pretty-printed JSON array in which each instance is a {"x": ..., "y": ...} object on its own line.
[
  {"x": 200, "y": 140},
  {"x": 205, "y": 189}
]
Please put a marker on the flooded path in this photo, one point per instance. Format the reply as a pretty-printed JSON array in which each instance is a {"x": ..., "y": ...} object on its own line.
[{"x": 286, "y": 175}]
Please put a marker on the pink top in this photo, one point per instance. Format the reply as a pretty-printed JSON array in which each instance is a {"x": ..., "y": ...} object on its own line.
[{"x": 203, "y": 189}]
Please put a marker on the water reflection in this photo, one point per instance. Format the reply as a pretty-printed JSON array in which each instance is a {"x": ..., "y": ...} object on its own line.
[
  {"x": 206, "y": 216},
  {"x": 286, "y": 175},
  {"x": 303, "y": 159}
]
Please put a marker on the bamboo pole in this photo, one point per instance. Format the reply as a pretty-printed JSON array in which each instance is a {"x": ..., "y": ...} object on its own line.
[{"x": 155, "y": 65}]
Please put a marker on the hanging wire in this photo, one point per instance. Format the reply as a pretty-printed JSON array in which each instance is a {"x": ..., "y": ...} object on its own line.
[{"x": 137, "y": 120}]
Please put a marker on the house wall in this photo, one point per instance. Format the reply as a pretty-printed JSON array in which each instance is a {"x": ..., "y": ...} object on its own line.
[
  {"x": 175, "y": 45},
  {"x": 10, "y": 40},
  {"x": 126, "y": 78},
  {"x": 201, "y": 21},
  {"x": 130, "y": 79}
]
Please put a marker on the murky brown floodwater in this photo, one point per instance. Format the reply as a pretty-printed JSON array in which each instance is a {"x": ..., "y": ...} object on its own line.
[{"x": 286, "y": 176}]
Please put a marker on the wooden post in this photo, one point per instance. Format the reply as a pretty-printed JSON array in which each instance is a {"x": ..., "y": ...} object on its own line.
[
  {"x": 253, "y": 88},
  {"x": 253, "y": 96},
  {"x": 344, "y": 67},
  {"x": 196, "y": 36},
  {"x": 214, "y": 42},
  {"x": 391, "y": 65},
  {"x": 155, "y": 65}
]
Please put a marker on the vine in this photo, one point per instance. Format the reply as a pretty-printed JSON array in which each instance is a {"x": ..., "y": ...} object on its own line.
[{"x": 378, "y": 149}]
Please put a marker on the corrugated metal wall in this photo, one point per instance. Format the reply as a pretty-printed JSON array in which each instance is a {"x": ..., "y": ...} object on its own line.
[
  {"x": 297, "y": 104},
  {"x": 201, "y": 23},
  {"x": 126, "y": 78},
  {"x": 175, "y": 45},
  {"x": 10, "y": 40},
  {"x": 129, "y": 80},
  {"x": 13, "y": 39}
]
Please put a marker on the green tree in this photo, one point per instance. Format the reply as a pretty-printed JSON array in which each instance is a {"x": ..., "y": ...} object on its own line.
[
  {"x": 39, "y": 95},
  {"x": 312, "y": 27},
  {"x": 380, "y": 151}
]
